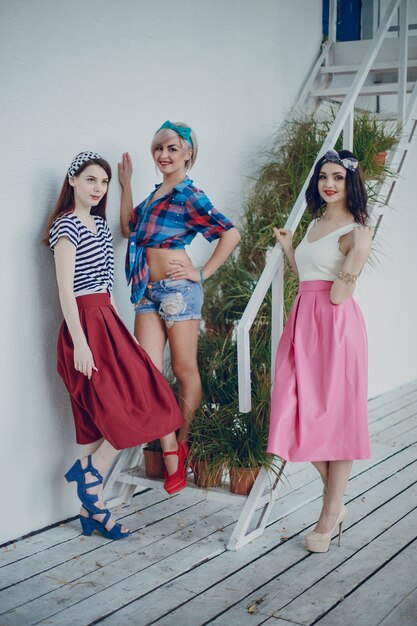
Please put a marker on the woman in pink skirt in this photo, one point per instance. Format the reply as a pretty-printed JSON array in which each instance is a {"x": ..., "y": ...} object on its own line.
[
  {"x": 319, "y": 398},
  {"x": 119, "y": 398}
]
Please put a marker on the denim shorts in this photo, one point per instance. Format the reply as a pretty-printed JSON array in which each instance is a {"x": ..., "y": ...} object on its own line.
[{"x": 174, "y": 300}]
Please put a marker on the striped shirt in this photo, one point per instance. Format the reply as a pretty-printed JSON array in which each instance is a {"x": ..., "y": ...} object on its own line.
[{"x": 94, "y": 258}]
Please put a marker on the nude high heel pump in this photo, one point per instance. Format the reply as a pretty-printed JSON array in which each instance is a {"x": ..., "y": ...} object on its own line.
[{"x": 320, "y": 542}]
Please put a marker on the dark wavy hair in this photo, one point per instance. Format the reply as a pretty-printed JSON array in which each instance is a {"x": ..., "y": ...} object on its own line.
[
  {"x": 356, "y": 195},
  {"x": 66, "y": 202}
]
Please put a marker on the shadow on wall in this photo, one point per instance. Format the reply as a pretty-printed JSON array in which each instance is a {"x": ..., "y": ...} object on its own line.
[{"x": 48, "y": 322}]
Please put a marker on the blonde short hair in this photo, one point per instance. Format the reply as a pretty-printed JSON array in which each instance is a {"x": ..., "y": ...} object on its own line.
[{"x": 167, "y": 133}]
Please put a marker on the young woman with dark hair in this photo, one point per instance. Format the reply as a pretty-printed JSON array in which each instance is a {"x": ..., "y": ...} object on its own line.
[
  {"x": 319, "y": 399},
  {"x": 119, "y": 398}
]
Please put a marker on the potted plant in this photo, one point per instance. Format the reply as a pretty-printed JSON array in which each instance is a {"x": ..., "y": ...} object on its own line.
[
  {"x": 154, "y": 460},
  {"x": 206, "y": 457}
]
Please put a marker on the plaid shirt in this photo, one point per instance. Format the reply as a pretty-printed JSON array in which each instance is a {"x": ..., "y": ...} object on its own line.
[{"x": 169, "y": 222}]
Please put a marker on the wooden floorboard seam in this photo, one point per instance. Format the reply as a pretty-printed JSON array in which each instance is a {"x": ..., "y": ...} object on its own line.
[{"x": 366, "y": 579}]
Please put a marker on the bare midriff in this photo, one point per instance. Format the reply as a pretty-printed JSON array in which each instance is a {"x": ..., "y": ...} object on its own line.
[{"x": 159, "y": 258}]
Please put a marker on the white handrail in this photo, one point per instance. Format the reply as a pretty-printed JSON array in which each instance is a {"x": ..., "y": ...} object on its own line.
[{"x": 275, "y": 259}]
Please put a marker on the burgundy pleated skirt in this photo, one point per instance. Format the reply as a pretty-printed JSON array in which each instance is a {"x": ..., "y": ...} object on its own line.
[{"x": 128, "y": 401}]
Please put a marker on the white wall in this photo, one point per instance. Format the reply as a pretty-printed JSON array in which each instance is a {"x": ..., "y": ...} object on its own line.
[
  {"x": 387, "y": 290},
  {"x": 103, "y": 75}
]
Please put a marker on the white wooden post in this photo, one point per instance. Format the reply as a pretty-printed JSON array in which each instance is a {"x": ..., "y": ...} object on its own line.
[
  {"x": 375, "y": 20},
  {"x": 402, "y": 62},
  {"x": 332, "y": 20},
  {"x": 348, "y": 131},
  {"x": 245, "y": 323},
  {"x": 277, "y": 313}
]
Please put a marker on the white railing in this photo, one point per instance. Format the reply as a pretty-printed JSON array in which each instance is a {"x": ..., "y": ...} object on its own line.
[{"x": 273, "y": 271}]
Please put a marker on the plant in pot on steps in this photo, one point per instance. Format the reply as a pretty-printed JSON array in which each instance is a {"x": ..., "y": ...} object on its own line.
[
  {"x": 222, "y": 437},
  {"x": 154, "y": 460},
  {"x": 206, "y": 457}
]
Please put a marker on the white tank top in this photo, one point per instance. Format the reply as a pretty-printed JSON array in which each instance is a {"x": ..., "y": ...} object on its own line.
[{"x": 321, "y": 259}]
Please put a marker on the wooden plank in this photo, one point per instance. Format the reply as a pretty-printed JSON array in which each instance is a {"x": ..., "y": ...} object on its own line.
[
  {"x": 81, "y": 571},
  {"x": 205, "y": 579},
  {"x": 24, "y": 548},
  {"x": 106, "y": 587},
  {"x": 352, "y": 573},
  {"x": 377, "y": 410},
  {"x": 387, "y": 589},
  {"x": 405, "y": 613},
  {"x": 397, "y": 392},
  {"x": 79, "y": 546},
  {"x": 214, "y": 602}
]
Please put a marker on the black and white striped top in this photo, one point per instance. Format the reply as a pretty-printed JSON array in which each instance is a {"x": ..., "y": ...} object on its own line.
[{"x": 94, "y": 258}]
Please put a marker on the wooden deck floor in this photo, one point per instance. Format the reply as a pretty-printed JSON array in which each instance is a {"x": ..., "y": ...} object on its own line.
[{"x": 175, "y": 571}]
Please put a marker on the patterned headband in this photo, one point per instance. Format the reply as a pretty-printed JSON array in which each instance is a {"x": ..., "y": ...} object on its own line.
[
  {"x": 182, "y": 131},
  {"x": 80, "y": 159},
  {"x": 349, "y": 163}
]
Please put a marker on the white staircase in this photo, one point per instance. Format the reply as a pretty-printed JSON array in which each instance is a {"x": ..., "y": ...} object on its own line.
[{"x": 345, "y": 72}]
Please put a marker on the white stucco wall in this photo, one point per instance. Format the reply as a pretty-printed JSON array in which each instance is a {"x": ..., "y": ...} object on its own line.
[{"x": 103, "y": 75}]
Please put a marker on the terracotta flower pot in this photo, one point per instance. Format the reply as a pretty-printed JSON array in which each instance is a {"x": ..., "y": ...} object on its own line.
[
  {"x": 154, "y": 463},
  {"x": 242, "y": 479},
  {"x": 205, "y": 476},
  {"x": 380, "y": 158}
]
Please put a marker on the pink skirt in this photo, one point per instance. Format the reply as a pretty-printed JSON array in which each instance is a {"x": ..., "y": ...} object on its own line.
[{"x": 319, "y": 406}]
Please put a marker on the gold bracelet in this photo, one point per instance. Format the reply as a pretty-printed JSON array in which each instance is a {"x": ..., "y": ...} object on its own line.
[{"x": 348, "y": 279}]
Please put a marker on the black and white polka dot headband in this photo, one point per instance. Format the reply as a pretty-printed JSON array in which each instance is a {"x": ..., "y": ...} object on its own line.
[
  {"x": 80, "y": 159},
  {"x": 349, "y": 163}
]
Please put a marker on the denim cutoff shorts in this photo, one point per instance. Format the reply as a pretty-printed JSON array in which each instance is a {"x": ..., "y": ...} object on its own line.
[{"x": 174, "y": 300}]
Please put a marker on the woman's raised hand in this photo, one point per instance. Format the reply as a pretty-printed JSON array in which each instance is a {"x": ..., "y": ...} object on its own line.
[
  {"x": 284, "y": 238},
  {"x": 125, "y": 169},
  {"x": 84, "y": 360}
]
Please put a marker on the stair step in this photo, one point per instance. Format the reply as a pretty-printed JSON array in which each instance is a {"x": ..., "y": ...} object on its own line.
[
  {"x": 378, "y": 89},
  {"x": 377, "y": 67}
]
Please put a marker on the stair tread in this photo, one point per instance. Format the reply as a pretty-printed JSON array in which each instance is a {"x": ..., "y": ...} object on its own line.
[
  {"x": 377, "y": 67},
  {"x": 367, "y": 90}
]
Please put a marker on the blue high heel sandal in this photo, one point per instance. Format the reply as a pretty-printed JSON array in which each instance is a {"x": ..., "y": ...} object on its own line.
[
  {"x": 89, "y": 525},
  {"x": 77, "y": 473}
]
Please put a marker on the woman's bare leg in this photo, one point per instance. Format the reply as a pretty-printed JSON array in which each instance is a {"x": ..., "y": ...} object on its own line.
[
  {"x": 151, "y": 335},
  {"x": 101, "y": 459},
  {"x": 323, "y": 469},
  {"x": 338, "y": 476},
  {"x": 183, "y": 339}
]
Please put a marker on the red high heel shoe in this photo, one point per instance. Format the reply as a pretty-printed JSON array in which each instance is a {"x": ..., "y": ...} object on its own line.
[{"x": 177, "y": 481}]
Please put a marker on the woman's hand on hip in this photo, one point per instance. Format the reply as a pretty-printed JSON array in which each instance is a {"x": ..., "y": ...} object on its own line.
[
  {"x": 84, "y": 360},
  {"x": 125, "y": 169},
  {"x": 183, "y": 270}
]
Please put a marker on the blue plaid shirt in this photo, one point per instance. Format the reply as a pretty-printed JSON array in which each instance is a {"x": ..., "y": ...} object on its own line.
[{"x": 169, "y": 222}]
